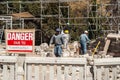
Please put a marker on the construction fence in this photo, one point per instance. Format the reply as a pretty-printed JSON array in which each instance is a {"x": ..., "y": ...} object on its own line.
[{"x": 48, "y": 68}]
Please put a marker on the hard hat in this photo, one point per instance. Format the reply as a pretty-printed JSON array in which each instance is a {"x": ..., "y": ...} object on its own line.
[
  {"x": 85, "y": 31},
  {"x": 68, "y": 23},
  {"x": 66, "y": 31},
  {"x": 58, "y": 30}
]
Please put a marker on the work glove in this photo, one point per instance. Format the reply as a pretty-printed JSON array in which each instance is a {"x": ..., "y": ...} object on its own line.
[{"x": 92, "y": 41}]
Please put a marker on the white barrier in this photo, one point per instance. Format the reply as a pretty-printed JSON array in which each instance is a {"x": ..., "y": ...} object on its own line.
[
  {"x": 107, "y": 69},
  {"x": 7, "y": 68},
  {"x": 38, "y": 68},
  {"x": 46, "y": 68}
]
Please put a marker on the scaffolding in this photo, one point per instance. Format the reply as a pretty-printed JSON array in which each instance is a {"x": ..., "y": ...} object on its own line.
[
  {"x": 6, "y": 24},
  {"x": 105, "y": 17}
]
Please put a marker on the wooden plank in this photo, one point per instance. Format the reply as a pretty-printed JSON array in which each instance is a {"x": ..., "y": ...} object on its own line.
[
  {"x": 41, "y": 75},
  {"x": 66, "y": 73},
  {"x": 51, "y": 60},
  {"x": 114, "y": 73},
  {"x": 95, "y": 72},
  {"x": 106, "y": 46},
  {"x": 8, "y": 59},
  {"x": 25, "y": 71},
  {"x": 85, "y": 70},
  {"x": 99, "y": 74},
  {"x": 5, "y": 72},
  {"x": 62, "y": 72},
  {"x": 81, "y": 72},
  {"x": 106, "y": 77},
  {"x": 12, "y": 72},
  {"x": 29, "y": 72},
  {"x": 36, "y": 72},
  {"x": 115, "y": 36},
  {"x": 73, "y": 73},
  {"x": 47, "y": 72},
  {"x": 51, "y": 73},
  {"x": 33, "y": 72},
  {"x": 59, "y": 73},
  {"x": 107, "y": 61},
  {"x": 43, "y": 72},
  {"x": 16, "y": 65}
]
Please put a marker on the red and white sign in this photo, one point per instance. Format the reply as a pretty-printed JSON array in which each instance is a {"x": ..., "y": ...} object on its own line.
[{"x": 20, "y": 41}]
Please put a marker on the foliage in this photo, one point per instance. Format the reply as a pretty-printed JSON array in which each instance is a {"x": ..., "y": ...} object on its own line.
[{"x": 50, "y": 23}]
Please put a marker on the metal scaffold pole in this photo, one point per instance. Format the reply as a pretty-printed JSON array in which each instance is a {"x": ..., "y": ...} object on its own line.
[
  {"x": 41, "y": 19},
  {"x": 104, "y": 16}
]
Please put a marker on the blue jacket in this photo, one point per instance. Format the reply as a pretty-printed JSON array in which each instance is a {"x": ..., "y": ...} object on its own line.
[
  {"x": 57, "y": 39},
  {"x": 84, "y": 38}
]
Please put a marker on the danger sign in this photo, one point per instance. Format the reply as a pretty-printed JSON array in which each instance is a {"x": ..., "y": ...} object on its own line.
[{"x": 21, "y": 41}]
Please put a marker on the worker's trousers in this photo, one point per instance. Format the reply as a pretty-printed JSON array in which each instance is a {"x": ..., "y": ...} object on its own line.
[
  {"x": 83, "y": 48},
  {"x": 58, "y": 50}
]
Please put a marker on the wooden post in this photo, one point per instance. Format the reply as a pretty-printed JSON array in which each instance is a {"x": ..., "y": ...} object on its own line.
[
  {"x": 19, "y": 67},
  {"x": 106, "y": 46}
]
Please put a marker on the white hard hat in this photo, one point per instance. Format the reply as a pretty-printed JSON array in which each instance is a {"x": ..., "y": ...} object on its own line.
[{"x": 86, "y": 32}]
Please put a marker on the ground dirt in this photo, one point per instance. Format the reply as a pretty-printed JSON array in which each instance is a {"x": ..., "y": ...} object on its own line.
[{"x": 114, "y": 48}]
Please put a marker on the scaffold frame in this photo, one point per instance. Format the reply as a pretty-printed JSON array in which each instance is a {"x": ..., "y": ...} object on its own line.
[{"x": 111, "y": 21}]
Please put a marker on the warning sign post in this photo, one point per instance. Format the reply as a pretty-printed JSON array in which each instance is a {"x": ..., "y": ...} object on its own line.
[{"x": 20, "y": 41}]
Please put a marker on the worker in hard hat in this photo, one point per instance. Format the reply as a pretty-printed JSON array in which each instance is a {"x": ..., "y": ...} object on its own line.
[
  {"x": 83, "y": 41},
  {"x": 66, "y": 38},
  {"x": 57, "y": 40},
  {"x": 66, "y": 31}
]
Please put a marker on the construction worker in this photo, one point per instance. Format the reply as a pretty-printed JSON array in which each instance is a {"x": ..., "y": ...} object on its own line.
[
  {"x": 83, "y": 42},
  {"x": 57, "y": 40},
  {"x": 66, "y": 38}
]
